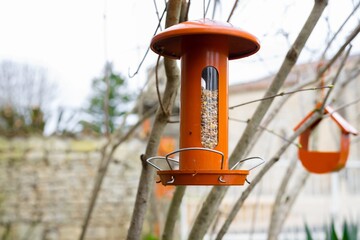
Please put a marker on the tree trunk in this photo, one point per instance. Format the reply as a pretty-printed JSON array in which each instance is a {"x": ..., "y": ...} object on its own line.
[
  {"x": 277, "y": 206},
  {"x": 147, "y": 173},
  {"x": 286, "y": 201},
  {"x": 173, "y": 213}
]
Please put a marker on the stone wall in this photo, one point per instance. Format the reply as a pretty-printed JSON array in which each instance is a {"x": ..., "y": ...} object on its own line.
[{"x": 46, "y": 184}]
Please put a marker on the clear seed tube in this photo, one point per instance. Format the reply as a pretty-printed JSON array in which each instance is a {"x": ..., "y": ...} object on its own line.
[{"x": 209, "y": 107}]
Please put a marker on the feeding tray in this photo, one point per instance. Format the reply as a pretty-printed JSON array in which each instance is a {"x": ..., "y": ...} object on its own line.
[
  {"x": 205, "y": 177},
  {"x": 204, "y": 47},
  {"x": 325, "y": 162},
  {"x": 200, "y": 177}
]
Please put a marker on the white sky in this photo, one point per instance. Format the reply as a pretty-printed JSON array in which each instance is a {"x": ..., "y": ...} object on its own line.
[{"x": 67, "y": 36}]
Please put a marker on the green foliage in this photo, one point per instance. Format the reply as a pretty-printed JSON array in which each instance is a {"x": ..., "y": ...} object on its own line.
[
  {"x": 349, "y": 231},
  {"x": 333, "y": 235},
  {"x": 149, "y": 236},
  {"x": 16, "y": 123},
  {"x": 119, "y": 98},
  {"x": 308, "y": 232}
]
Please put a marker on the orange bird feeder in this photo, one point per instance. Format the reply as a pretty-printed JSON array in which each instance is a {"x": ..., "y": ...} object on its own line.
[
  {"x": 325, "y": 162},
  {"x": 204, "y": 47}
]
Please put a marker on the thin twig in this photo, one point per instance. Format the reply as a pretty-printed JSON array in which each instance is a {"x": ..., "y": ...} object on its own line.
[
  {"x": 280, "y": 95},
  {"x": 157, "y": 13},
  {"x": 204, "y": 9},
  {"x": 157, "y": 85},
  {"x": 232, "y": 10},
  {"x": 344, "y": 106},
  {"x": 349, "y": 39},
  {"x": 267, "y": 130},
  {"x": 207, "y": 7},
  {"x": 148, "y": 48},
  {"x": 353, "y": 76},
  {"x": 216, "y": 2},
  {"x": 337, "y": 76},
  {"x": 339, "y": 30}
]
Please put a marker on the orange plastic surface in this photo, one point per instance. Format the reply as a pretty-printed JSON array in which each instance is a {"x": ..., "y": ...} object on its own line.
[
  {"x": 325, "y": 162},
  {"x": 207, "y": 177},
  {"x": 200, "y": 55},
  {"x": 238, "y": 43}
]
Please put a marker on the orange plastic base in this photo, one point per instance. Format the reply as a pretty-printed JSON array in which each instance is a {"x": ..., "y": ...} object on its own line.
[
  {"x": 322, "y": 162},
  {"x": 203, "y": 177}
]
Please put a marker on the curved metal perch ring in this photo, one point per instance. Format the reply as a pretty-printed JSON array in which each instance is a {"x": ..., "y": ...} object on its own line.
[{"x": 168, "y": 160}]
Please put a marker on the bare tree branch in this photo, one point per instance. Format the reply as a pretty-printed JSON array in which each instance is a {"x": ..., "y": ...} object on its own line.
[
  {"x": 106, "y": 156},
  {"x": 349, "y": 39},
  {"x": 285, "y": 200},
  {"x": 157, "y": 14},
  {"x": 336, "y": 77},
  {"x": 267, "y": 130},
  {"x": 280, "y": 95},
  {"x": 148, "y": 49},
  {"x": 260, "y": 175},
  {"x": 211, "y": 204},
  {"x": 147, "y": 173},
  {"x": 232, "y": 10},
  {"x": 339, "y": 30},
  {"x": 175, "y": 204},
  {"x": 276, "y": 218},
  {"x": 157, "y": 86},
  {"x": 173, "y": 213},
  {"x": 301, "y": 85},
  {"x": 281, "y": 209}
]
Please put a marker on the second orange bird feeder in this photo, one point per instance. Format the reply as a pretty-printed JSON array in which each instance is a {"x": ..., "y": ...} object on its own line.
[
  {"x": 325, "y": 162},
  {"x": 204, "y": 47}
]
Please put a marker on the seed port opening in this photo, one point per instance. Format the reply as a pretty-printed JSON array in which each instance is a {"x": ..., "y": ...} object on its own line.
[{"x": 209, "y": 107}]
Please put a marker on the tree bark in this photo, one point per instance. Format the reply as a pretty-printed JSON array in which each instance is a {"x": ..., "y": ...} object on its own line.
[
  {"x": 173, "y": 213},
  {"x": 161, "y": 119},
  {"x": 285, "y": 201},
  {"x": 277, "y": 207},
  {"x": 209, "y": 208}
]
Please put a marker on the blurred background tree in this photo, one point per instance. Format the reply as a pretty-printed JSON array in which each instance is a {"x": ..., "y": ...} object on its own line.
[
  {"x": 26, "y": 94},
  {"x": 109, "y": 102}
]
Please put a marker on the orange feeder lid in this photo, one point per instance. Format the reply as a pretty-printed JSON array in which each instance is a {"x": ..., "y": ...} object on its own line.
[
  {"x": 169, "y": 42},
  {"x": 325, "y": 162},
  {"x": 232, "y": 43}
]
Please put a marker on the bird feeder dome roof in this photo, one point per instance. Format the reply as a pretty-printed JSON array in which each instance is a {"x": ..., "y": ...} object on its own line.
[{"x": 169, "y": 43}]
